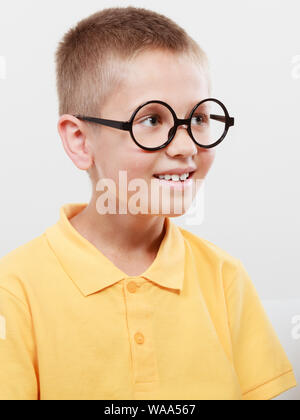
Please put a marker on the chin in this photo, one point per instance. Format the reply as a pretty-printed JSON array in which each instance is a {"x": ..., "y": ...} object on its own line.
[{"x": 174, "y": 215}]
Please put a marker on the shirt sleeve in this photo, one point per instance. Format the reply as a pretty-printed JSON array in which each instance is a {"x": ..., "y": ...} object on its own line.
[
  {"x": 18, "y": 379},
  {"x": 261, "y": 363}
]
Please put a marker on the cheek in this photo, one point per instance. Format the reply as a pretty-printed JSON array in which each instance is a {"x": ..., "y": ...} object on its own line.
[
  {"x": 139, "y": 164},
  {"x": 120, "y": 153}
]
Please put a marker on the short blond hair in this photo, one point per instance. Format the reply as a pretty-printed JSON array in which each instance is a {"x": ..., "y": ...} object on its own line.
[{"x": 89, "y": 57}]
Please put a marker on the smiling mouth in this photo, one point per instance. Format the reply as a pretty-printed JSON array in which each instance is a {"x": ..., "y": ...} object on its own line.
[{"x": 174, "y": 178}]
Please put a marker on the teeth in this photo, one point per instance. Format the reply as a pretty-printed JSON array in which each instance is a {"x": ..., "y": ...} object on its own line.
[{"x": 182, "y": 177}]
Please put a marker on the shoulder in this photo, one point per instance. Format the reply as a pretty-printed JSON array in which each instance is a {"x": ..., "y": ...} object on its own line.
[
  {"x": 211, "y": 250},
  {"x": 220, "y": 267},
  {"x": 213, "y": 259},
  {"x": 17, "y": 266}
]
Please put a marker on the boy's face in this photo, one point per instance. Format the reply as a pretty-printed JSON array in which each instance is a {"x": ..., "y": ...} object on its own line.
[{"x": 155, "y": 75}]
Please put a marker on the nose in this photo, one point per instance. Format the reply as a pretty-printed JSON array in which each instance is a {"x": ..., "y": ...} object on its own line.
[
  {"x": 173, "y": 130},
  {"x": 181, "y": 143}
]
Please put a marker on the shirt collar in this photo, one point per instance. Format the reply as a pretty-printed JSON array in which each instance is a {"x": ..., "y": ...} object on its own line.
[{"x": 92, "y": 271}]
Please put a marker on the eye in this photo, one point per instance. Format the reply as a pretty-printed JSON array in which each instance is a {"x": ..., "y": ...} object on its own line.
[
  {"x": 150, "y": 121},
  {"x": 199, "y": 119}
]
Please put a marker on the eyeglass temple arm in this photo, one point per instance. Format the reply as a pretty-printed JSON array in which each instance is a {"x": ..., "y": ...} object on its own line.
[
  {"x": 222, "y": 119},
  {"x": 121, "y": 125},
  {"x": 109, "y": 123}
]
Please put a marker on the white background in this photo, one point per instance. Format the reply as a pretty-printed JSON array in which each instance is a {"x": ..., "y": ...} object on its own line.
[{"x": 252, "y": 201}]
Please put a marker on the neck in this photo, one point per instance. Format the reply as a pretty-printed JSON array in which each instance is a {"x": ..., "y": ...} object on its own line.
[{"x": 128, "y": 233}]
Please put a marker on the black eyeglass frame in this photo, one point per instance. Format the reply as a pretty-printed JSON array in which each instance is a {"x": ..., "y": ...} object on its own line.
[{"x": 127, "y": 125}]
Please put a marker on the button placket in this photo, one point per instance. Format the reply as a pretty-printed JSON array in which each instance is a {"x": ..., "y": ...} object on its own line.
[
  {"x": 140, "y": 324},
  {"x": 139, "y": 338},
  {"x": 132, "y": 286}
]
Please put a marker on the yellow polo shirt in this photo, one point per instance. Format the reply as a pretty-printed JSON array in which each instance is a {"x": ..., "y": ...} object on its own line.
[{"x": 74, "y": 326}]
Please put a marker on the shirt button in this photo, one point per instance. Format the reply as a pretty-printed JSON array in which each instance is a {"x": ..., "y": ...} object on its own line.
[
  {"x": 132, "y": 286},
  {"x": 139, "y": 338}
]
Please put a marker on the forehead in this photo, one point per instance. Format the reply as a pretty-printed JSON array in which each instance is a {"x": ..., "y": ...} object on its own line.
[{"x": 173, "y": 78}]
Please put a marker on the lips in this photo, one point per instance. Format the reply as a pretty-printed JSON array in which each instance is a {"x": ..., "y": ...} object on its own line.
[
  {"x": 177, "y": 171},
  {"x": 189, "y": 177}
]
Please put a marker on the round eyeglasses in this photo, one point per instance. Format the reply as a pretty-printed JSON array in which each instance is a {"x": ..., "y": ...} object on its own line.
[{"x": 153, "y": 125}]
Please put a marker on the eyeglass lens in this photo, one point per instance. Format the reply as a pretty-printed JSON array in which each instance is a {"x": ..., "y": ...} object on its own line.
[{"x": 153, "y": 124}]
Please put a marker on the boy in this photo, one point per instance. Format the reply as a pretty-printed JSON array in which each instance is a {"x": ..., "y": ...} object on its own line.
[{"x": 125, "y": 304}]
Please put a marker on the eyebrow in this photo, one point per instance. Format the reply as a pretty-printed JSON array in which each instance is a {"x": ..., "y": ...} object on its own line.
[{"x": 132, "y": 109}]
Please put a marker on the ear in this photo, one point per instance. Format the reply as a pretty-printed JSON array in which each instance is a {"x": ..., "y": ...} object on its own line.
[{"x": 74, "y": 136}]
